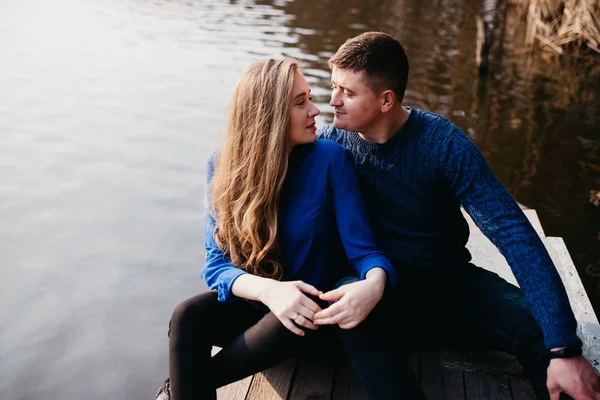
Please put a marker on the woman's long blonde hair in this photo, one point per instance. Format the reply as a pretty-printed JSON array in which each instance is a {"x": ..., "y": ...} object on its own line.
[{"x": 251, "y": 167}]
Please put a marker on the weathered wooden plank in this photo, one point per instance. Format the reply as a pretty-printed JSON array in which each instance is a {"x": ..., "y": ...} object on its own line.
[
  {"x": 479, "y": 385},
  {"x": 432, "y": 374},
  {"x": 345, "y": 384},
  {"x": 233, "y": 391},
  {"x": 535, "y": 222},
  {"x": 470, "y": 360},
  {"x": 274, "y": 383},
  {"x": 588, "y": 327},
  {"x": 523, "y": 207},
  {"x": 313, "y": 379},
  {"x": 454, "y": 384},
  {"x": 521, "y": 389},
  {"x": 236, "y": 390},
  {"x": 486, "y": 255}
]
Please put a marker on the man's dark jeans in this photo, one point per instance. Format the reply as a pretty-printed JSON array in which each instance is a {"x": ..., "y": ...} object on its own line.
[{"x": 466, "y": 305}]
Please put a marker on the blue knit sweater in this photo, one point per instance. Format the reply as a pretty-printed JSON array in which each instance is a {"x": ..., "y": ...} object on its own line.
[{"x": 414, "y": 185}]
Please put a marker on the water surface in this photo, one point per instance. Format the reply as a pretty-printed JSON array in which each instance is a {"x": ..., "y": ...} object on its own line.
[{"x": 109, "y": 109}]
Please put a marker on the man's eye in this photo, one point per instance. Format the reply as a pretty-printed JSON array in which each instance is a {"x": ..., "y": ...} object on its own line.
[{"x": 310, "y": 98}]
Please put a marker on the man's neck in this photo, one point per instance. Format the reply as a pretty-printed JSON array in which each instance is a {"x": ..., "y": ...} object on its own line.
[{"x": 386, "y": 130}]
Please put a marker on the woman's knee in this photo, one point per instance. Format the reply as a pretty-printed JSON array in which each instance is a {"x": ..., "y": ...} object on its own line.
[
  {"x": 269, "y": 331},
  {"x": 272, "y": 328},
  {"x": 190, "y": 313}
]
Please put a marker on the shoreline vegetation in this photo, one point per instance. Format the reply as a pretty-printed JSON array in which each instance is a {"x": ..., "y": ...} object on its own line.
[{"x": 562, "y": 26}]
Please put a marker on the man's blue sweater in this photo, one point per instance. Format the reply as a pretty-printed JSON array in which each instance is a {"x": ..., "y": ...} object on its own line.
[
  {"x": 322, "y": 221},
  {"x": 414, "y": 185}
]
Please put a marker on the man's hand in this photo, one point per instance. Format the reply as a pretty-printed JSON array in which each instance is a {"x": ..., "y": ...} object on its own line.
[
  {"x": 574, "y": 376},
  {"x": 354, "y": 301},
  {"x": 290, "y": 304}
]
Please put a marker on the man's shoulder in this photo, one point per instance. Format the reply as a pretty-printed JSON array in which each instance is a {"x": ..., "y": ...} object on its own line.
[
  {"x": 435, "y": 122},
  {"x": 439, "y": 129}
]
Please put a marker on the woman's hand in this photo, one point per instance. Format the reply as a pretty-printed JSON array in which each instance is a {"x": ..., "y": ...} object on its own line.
[
  {"x": 354, "y": 301},
  {"x": 290, "y": 304}
]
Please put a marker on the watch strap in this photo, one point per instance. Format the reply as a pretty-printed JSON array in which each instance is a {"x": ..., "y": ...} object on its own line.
[{"x": 567, "y": 352}]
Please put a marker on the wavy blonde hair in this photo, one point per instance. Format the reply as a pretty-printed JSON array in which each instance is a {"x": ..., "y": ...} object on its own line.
[{"x": 252, "y": 165}]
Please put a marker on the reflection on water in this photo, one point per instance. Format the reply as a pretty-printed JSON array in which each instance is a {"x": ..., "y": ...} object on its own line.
[{"x": 110, "y": 109}]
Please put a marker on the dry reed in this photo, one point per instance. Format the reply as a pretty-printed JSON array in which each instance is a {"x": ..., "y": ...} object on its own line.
[{"x": 562, "y": 24}]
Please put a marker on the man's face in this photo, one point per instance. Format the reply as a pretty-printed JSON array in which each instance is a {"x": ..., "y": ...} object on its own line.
[{"x": 357, "y": 108}]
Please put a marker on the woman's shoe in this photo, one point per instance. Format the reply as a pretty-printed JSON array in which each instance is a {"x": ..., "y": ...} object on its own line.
[{"x": 164, "y": 392}]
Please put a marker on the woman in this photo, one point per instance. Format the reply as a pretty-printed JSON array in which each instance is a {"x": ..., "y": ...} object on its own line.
[{"x": 282, "y": 208}]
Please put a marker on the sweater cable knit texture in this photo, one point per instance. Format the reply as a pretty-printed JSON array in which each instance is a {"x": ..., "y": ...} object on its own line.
[{"x": 414, "y": 185}]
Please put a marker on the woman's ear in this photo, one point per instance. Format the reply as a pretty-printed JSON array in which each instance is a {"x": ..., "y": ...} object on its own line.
[{"x": 388, "y": 100}]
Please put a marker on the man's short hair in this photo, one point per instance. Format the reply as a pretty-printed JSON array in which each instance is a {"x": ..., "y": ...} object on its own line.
[{"x": 380, "y": 56}]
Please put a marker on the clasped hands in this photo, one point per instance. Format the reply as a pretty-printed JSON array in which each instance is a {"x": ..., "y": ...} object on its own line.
[{"x": 291, "y": 304}]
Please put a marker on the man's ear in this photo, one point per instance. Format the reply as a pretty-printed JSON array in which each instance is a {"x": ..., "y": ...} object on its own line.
[{"x": 388, "y": 99}]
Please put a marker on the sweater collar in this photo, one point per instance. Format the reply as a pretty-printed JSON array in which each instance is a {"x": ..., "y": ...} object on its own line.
[{"x": 398, "y": 138}]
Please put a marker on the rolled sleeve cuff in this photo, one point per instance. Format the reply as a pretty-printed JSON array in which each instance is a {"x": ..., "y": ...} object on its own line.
[
  {"x": 225, "y": 283},
  {"x": 382, "y": 262}
]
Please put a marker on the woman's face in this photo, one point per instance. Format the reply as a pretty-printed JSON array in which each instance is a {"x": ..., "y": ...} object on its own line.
[{"x": 303, "y": 112}]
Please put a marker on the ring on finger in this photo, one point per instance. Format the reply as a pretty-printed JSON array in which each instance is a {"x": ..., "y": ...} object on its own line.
[{"x": 296, "y": 316}]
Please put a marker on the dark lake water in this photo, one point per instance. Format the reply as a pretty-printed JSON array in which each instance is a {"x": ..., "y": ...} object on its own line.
[{"x": 109, "y": 109}]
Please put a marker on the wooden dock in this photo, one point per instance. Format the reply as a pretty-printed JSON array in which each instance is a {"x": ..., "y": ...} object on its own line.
[{"x": 445, "y": 372}]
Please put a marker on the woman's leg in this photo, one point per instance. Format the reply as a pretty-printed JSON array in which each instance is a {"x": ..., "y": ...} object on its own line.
[
  {"x": 196, "y": 325},
  {"x": 263, "y": 345},
  {"x": 250, "y": 344}
]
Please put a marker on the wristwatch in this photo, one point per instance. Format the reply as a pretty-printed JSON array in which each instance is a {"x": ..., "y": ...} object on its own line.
[{"x": 566, "y": 352}]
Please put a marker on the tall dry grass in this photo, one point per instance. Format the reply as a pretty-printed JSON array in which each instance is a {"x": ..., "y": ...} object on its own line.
[{"x": 562, "y": 24}]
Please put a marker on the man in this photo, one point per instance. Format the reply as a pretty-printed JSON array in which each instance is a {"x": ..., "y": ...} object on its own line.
[{"x": 416, "y": 169}]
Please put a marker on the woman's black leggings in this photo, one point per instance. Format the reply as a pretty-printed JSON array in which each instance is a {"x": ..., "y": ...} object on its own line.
[{"x": 250, "y": 341}]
